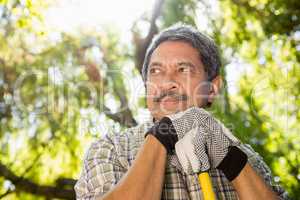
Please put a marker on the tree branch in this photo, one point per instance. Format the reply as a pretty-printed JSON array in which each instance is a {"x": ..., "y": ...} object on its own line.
[
  {"x": 25, "y": 185},
  {"x": 142, "y": 44},
  {"x": 9, "y": 191},
  {"x": 123, "y": 117}
]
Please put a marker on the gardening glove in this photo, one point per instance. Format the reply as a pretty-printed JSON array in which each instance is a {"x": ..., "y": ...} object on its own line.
[
  {"x": 165, "y": 131},
  {"x": 205, "y": 143}
]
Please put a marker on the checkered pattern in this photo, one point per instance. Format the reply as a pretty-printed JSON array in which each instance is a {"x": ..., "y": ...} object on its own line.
[
  {"x": 208, "y": 134},
  {"x": 193, "y": 158},
  {"x": 110, "y": 157}
]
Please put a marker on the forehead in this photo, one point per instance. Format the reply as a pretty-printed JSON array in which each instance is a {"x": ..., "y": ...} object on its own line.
[{"x": 174, "y": 50}]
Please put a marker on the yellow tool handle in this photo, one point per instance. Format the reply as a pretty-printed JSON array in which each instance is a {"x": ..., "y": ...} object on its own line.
[{"x": 206, "y": 185}]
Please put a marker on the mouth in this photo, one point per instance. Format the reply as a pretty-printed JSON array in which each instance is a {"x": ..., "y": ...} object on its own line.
[
  {"x": 169, "y": 99},
  {"x": 169, "y": 102}
]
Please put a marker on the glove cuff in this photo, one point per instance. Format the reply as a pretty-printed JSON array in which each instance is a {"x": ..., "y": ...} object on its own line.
[
  {"x": 165, "y": 132},
  {"x": 233, "y": 163}
]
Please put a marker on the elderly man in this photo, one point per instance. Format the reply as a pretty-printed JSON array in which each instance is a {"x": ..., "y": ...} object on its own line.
[{"x": 161, "y": 159}]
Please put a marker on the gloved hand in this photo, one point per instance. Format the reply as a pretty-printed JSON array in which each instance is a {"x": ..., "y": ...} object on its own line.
[
  {"x": 165, "y": 133},
  {"x": 205, "y": 142},
  {"x": 173, "y": 127}
]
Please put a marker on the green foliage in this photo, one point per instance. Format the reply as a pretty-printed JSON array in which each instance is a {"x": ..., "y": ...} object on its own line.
[
  {"x": 179, "y": 11},
  {"x": 265, "y": 110}
]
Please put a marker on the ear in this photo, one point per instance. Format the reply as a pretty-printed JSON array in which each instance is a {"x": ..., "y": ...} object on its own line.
[{"x": 215, "y": 88}]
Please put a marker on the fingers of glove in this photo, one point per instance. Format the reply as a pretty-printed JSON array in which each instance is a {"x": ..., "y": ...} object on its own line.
[
  {"x": 184, "y": 121},
  {"x": 217, "y": 147},
  {"x": 234, "y": 141},
  {"x": 185, "y": 153},
  {"x": 180, "y": 115},
  {"x": 181, "y": 156},
  {"x": 214, "y": 126},
  {"x": 191, "y": 152},
  {"x": 199, "y": 144}
]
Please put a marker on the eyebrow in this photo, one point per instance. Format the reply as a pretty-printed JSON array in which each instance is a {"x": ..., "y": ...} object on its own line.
[
  {"x": 189, "y": 64},
  {"x": 179, "y": 64},
  {"x": 155, "y": 64}
]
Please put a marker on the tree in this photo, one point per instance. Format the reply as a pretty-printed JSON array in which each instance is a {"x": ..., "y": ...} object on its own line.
[
  {"x": 53, "y": 94},
  {"x": 261, "y": 37}
]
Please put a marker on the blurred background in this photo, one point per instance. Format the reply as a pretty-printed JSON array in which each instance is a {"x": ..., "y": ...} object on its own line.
[{"x": 70, "y": 73}]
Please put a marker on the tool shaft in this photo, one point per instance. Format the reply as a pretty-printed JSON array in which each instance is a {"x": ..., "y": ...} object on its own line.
[{"x": 206, "y": 185}]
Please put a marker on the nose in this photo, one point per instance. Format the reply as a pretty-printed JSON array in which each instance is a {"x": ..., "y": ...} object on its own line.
[{"x": 168, "y": 83}]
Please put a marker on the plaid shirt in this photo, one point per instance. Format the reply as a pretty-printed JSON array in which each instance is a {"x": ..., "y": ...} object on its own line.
[{"x": 109, "y": 158}]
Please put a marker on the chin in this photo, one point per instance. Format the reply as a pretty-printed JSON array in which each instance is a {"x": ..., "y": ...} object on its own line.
[
  {"x": 162, "y": 113},
  {"x": 159, "y": 111}
]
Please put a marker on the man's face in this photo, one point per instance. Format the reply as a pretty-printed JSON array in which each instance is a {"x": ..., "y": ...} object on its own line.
[{"x": 176, "y": 79}]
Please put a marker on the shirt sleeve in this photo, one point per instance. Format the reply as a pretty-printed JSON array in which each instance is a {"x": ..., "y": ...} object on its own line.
[
  {"x": 101, "y": 170},
  {"x": 256, "y": 161}
]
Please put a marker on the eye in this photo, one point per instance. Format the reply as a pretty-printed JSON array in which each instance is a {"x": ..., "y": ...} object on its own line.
[
  {"x": 154, "y": 70},
  {"x": 184, "y": 69}
]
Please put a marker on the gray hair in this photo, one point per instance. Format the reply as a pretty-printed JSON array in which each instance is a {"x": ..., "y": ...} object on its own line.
[{"x": 208, "y": 50}]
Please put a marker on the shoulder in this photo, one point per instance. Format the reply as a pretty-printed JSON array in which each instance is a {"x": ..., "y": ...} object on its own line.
[
  {"x": 134, "y": 135},
  {"x": 122, "y": 145}
]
